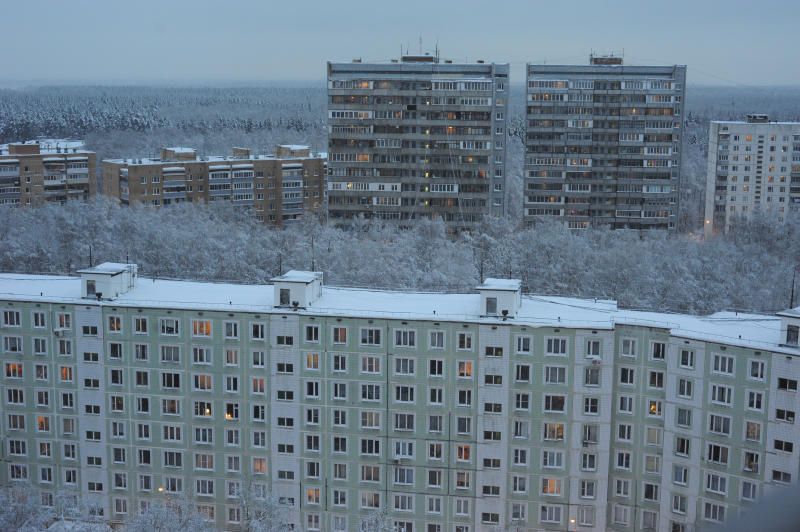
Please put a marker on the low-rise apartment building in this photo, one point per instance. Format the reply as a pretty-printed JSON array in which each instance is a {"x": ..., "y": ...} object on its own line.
[
  {"x": 453, "y": 412},
  {"x": 46, "y": 170},
  {"x": 279, "y": 187},
  {"x": 753, "y": 166}
]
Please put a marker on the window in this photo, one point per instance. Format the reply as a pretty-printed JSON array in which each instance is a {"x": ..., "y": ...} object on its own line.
[
  {"x": 716, "y": 484},
  {"x": 465, "y": 341},
  {"x": 491, "y": 306},
  {"x": 723, "y": 364},
  {"x": 464, "y": 369},
  {"x": 749, "y": 490},
  {"x": 789, "y": 385},
  {"x": 494, "y": 352},
  {"x": 713, "y": 512},
  {"x": 553, "y": 431},
  {"x": 169, "y": 326},
  {"x": 312, "y": 333},
  {"x": 552, "y": 459},
  {"x": 591, "y": 376},
  {"x": 755, "y": 400},
  {"x": 685, "y": 387},
  {"x": 787, "y": 416},
  {"x": 340, "y": 335},
  {"x": 371, "y": 337},
  {"x": 284, "y": 340},
  {"x": 140, "y": 325},
  {"x": 658, "y": 350},
  {"x": 555, "y": 375},
  {"x": 554, "y": 403},
  {"x": 625, "y": 404},
  {"x": 686, "y": 360},
  {"x": 721, "y": 394},
  {"x": 405, "y": 338},
  {"x": 626, "y": 376},
  {"x": 436, "y": 340},
  {"x": 404, "y": 366},
  {"x": 792, "y": 334},
  {"x": 656, "y": 379},
  {"x": 756, "y": 370},
  {"x": 680, "y": 475},
  {"x": 115, "y": 324},
  {"x": 717, "y": 454},
  {"x": 591, "y": 405},
  {"x": 524, "y": 345},
  {"x": 556, "y": 347},
  {"x": 436, "y": 368},
  {"x": 628, "y": 347},
  {"x": 550, "y": 514},
  {"x": 719, "y": 424}
]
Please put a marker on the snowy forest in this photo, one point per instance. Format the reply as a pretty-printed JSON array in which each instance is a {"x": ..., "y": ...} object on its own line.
[
  {"x": 752, "y": 271},
  {"x": 749, "y": 271}
]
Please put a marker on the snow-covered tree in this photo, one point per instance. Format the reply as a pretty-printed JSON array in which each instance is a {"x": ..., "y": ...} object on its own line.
[
  {"x": 378, "y": 521},
  {"x": 169, "y": 515},
  {"x": 262, "y": 511},
  {"x": 21, "y": 509}
]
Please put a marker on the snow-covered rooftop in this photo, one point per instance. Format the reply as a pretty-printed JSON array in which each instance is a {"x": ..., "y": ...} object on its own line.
[
  {"x": 294, "y": 146},
  {"x": 500, "y": 284},
  {"x": 747, "y": 330},
  {"x": 107, "y": 268},
  {"x": 297, "y": 276},
  {"x": 50, "y": 146},
  {"x": 232, "y": 159}
]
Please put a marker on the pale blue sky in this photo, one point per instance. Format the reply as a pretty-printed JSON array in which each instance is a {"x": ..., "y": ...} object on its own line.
[{"x": 730, "y": 42}]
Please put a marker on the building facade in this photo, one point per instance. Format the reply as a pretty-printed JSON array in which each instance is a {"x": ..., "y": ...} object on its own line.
[
  {"x": 603, "y": 144},
  {"x": 417, "y": 137},
  {"x": 46, "y": 170},
  {"x": 453, "y": 412},
  {"x": 279, "y": 187},
  {"x": 753, "y": 166}
]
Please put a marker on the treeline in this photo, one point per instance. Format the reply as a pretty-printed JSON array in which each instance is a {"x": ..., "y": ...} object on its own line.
[{"x": 751, "y": 271}]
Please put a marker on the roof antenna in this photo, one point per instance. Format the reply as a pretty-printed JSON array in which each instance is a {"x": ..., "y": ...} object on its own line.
[
  {"x": 91, "y": 261},
  {"x": 791, "y": 296}
]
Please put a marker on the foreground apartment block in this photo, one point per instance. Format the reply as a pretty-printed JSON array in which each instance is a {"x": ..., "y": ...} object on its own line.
[
  {"x": 603, "y": 144},
  {"x": 46, "y": 170},
  {"x": 453, "y": 412},
  {"x": 278, "y": 187},
  {"x": 753, "y": 166},
  {"x": 417, "y": 137}
]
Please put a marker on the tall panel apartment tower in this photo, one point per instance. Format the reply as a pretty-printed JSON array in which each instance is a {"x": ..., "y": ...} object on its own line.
[
  {"x": 603, "y": 144},
  {"x": 417, "y": 137},
  {"x": 753, "y": 166}
]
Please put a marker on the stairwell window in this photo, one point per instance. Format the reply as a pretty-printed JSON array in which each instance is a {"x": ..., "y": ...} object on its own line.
[{"x": 491, "y": 306}]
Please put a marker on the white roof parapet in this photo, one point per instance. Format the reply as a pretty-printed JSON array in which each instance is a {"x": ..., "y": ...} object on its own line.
[
  {"x": 501, "y": 284},
  {"x": 108, "y": 268},
  {"x": 297, "y": 276}
]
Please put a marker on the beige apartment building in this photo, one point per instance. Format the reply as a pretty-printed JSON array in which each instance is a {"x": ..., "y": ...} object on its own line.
[
  {"x": 46, "y": 170},
  {"x": 279, "y": 187}
]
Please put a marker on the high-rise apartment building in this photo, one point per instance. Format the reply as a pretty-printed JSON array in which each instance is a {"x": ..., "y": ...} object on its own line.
[
  {"x": 453, "y": 412},
  {"x": 417, "y": 137},
  {"x": 753, "y": 166},
  {"x": 603, "y": 144},
  {"x": 46, "y": 170},
  {"x": 278, "y": 187}
]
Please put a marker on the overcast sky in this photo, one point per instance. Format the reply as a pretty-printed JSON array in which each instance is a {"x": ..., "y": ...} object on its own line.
[{"x": 723, "y": 42}]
